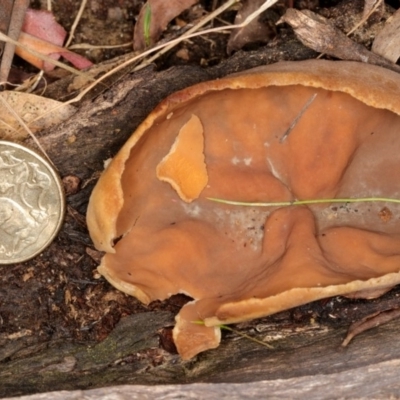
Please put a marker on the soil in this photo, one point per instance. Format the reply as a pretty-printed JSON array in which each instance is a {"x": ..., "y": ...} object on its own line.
[{"x": 59, "y": 296}]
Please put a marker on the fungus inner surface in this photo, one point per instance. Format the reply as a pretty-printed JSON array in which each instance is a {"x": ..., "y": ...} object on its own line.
[{"x": 230, "y": 259}]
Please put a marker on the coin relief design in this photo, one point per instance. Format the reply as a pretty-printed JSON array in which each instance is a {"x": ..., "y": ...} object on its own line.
[{"x": 31, "y": 203}]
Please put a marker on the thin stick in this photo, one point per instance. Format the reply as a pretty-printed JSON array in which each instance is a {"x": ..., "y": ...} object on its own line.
[
  {"x": 6, "y": 38},
  {"x": 88, "y": 46},
  {"x": 36, "y": 81},
  {"x": 304, "y": 202},
  {"x": 14, "y": 30},
  {"x": 76, "y": 22},
  {"x": 187, "y": 34},
  {"x": 174, "y": 42},
  {"x": 363, "y": 20},
  {"x": 298, "y": 117},
  {"x": 267, "y": 4}
]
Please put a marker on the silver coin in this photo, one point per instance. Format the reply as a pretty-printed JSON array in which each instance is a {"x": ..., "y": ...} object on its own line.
[{"x": 32, "y": 203}]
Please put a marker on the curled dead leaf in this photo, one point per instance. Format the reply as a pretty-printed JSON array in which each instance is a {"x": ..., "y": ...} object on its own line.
[
  {"x": 48, "y": 49},
  {"x": 315, "y": 32},
  {"x": 369, "y": 322},
  {"x": 44, "y": 35}
]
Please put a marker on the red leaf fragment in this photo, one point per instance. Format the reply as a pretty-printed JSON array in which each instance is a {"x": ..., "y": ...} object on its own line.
[
  {"x": 50, "y": 50},
  {"x": 42, "y": 33},
  {"x": 75, "y": 59},
  {"x": 43, "y": 25}
]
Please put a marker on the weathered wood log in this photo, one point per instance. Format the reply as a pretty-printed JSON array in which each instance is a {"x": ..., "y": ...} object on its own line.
[
  {"x": 365, "y": 382},
  {"x": 308, "y": 363}
]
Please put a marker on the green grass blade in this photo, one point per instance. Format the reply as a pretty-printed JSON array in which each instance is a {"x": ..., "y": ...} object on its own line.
[
  {"x": 146, "y": 25},
  {"x": 243, "y": 335},
  {"x": 304, "y": 202}
]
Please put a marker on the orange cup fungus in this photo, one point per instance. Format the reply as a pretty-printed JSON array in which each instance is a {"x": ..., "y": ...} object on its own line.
[{"x": 283, "y": 132}]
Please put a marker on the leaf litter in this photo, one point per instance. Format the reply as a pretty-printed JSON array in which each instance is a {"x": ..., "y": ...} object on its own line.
[{"x": 154, "y": 18}]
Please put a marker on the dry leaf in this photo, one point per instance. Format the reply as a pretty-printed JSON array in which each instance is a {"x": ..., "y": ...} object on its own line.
[
  {"x": 37, "y": 112},
  {"x": 255, "y": 31},
  {"x": 387, "y": 42},
  {"x": 43, "y": 34},
  {"x": 42, "y": 24},
  {"x": 157, "y": 14},
  {"x": 316, "y": 32},
  {"x": 51, "y": 50}
]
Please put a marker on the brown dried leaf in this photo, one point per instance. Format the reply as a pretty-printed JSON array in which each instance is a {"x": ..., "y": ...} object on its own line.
[
  {"x": 387, "y": 42},
  {"x": 161, "y": 13},
  {"x": 316, "y": 32},
  {"x": 35, "y": 111},
  {"x": 255, "y": 31}
]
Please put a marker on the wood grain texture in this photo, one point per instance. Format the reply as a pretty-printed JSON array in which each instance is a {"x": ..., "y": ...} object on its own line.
[{"x": 308, "y": 364}]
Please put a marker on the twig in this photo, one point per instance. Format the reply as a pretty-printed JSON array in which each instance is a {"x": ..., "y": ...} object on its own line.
[
  {"x": 360, "y": 23},
  {"x": 14, "y": 30},
  {"x": 36, "y": 81},
  {"x": 87, "y": 46},
  {"x": 298, "y": 117},
  {"x": 172, "y": 43},
  {"x": 6, "y": 38},
  {"x": 195, "y": 28},
  {"x": 365, "y": 18},
  {"x": 76, "y": 22}
]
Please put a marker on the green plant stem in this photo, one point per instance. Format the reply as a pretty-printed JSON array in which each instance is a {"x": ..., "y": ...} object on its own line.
[{"x": 304, "y": 202}]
